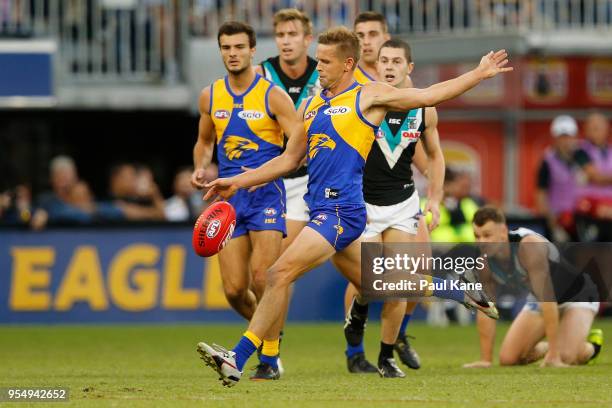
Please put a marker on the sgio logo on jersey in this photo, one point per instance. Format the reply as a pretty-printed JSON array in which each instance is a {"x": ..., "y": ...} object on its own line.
[
  {"x": 250, "y": 115},
  {"x": 337, "y": 110}
]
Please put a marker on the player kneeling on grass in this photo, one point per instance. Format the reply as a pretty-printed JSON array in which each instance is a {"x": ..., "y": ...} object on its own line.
[{"x": 535, "y": 261}]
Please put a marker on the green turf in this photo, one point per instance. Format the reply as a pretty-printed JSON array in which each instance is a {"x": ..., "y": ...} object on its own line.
[{"x": 157, "y": 366}]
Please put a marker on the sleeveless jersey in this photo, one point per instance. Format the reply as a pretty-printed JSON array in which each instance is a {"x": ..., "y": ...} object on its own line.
[
  {"x": 339, "y": 140},
  {"x": 388, "y": 174},
  {"x": 361, "y": 76},
  {"x": 247, "y": 132},
  {"x": 298, "y": 89},
  {"x": 569, "y": 284}
]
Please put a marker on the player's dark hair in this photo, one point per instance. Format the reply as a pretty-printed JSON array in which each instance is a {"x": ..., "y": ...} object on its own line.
[
  {"x": 237, "y": 27},
  {"x": 488, "y": 213},
  {"x": 371, "y": 16},
  {"x": 346, "y": 41},
  {"x": 397, "y": 43}
]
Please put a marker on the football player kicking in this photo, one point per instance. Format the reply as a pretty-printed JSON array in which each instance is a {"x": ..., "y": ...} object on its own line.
[{"x": 340, "y": 124}]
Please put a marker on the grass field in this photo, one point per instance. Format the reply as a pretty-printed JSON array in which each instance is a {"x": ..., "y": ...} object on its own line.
[{"x": 157, "y": 366}]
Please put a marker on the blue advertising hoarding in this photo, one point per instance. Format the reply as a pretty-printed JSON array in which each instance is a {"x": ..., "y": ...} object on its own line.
[{"x": 131, "y": 275}]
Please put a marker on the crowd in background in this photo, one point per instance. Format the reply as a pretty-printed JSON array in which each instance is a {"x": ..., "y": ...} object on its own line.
[
  {"x": 133, "y": 195},
  {"x": 574, "y": 181},
  {"x": 573, "y": 191}
]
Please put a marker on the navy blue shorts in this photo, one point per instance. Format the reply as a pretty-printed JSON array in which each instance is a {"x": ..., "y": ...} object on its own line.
[
  {"x": 339, "y": 225},
  {"x": 261, "y": 210}
]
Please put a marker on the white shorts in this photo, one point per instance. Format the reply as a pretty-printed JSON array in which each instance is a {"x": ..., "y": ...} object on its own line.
[
  {"x": 402, "y": 216},
  {"x": 534, "y": 306},
  {"x": 296, "y": 188}
]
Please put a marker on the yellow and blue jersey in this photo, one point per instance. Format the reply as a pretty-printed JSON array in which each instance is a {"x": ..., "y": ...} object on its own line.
[
  {"x": 249, "y": 135},
  {"x": 247, "y": 132},
  {"x": 339, "y": 141},
  {"x": 361, "y": 76}
]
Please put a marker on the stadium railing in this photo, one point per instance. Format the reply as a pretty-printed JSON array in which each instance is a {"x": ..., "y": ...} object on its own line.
[{"x": 147, "y": 40}]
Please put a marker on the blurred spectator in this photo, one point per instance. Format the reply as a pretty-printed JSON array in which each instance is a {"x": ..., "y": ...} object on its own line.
[
  {"x": 596, "y": 146},
  {"x": 458, "y": 208},
  {"x": 56, "y": 206},
  {"x": 134, "y": 191},
  {"x": 557, "y": 180},
  {"x": 186, "y": 203},
  {"x": 16, "y": 205}
]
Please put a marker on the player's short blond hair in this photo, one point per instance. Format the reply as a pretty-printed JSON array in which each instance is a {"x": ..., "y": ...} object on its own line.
[
  {"x": 346, "y": 41},
  {"x": 293, "y": 14}
]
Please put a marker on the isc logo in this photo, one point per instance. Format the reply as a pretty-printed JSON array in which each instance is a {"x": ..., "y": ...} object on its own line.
[
  {"x": 213, "y": 229},
  {"x": 221, "y": 114},
  {"x": 393, "y": 121},
  {"x": 337, "y": 110},
  {"x": 250, "y": 115}
]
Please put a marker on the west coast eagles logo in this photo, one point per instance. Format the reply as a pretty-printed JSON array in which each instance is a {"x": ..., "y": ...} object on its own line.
[
  {"x": 235, "y": 145},
  {"x": 319, "y": 141}
]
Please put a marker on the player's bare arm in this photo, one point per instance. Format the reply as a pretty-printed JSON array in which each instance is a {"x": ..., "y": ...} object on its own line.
[
  {"x": 435, "y": 170},
  {"x": 486, "y": 326},
  {"x": 533, "y": 255},
  {"x": 292, "y": 125},
  {"x": 377, "y": 98},
  {"x": 205, "y": 145}
]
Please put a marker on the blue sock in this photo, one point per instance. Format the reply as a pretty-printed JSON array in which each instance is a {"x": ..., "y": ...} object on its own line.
[
  {"x": 271, "y": 360},
  {"x": 352, "y": 350},
  {"x": 450, "y": 294},
  {"x": 402, "y": 332},
  {"x": 243, "y": 350}
]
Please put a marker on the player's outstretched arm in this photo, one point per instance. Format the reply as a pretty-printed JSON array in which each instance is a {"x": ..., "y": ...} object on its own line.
[
  {"x": 533, "y": 255},
  {"x": 486, "y": 326},
  {"x": 282, "y": 107},
  {"x": 204, "y": 147},
  {"x": 388, "y": 97}
]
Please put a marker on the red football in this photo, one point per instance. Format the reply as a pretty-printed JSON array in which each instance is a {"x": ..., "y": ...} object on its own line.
[{"x": 214, "y": 228}]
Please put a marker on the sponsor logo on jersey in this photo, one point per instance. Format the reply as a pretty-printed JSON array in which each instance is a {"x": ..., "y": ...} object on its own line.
[
  {"x": 317, "y": 222},
  {"x": 222, "y": 114},
  {"x": 234, "y": 146},
  {"x": 395, "y": 121},
  {"x": 310, "y": 115},
  {"x": 410, "y": 134},
  {"x": 213, "y": 229},
  {"x": 295, "y": 89},
  {"x": 269, "y": 212},
  {"x": 270, "y": 221},
  {"x": 318, "y": 142},
  {"x": 337, "y": 110},
  {"x": 250, "y": 115},
  {"x": 332, "y": 193}
]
